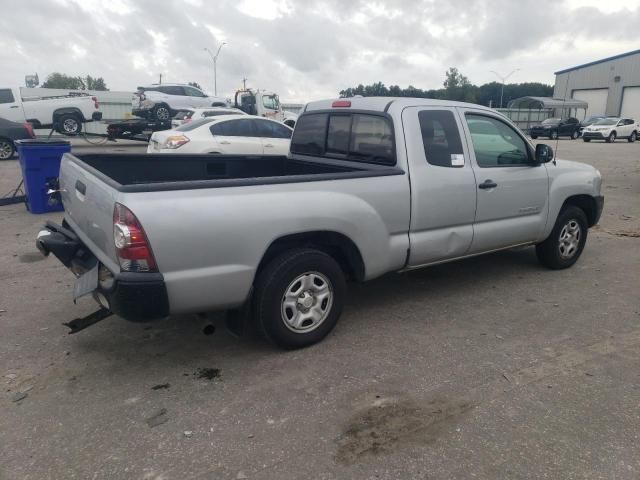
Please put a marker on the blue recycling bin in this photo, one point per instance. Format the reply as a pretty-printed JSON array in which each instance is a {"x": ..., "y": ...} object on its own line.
[{"x": 40, "y": 164}]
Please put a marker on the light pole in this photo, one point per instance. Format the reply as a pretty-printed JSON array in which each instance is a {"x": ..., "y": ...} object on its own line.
[
  {"x": 215, "y": 66},
  {"x": 503, "y": 79}
]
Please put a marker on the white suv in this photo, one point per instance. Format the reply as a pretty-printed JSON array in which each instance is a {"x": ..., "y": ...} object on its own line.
[
  {"x": 610, "y": 128},
  {"x": 161, "y": 102}
]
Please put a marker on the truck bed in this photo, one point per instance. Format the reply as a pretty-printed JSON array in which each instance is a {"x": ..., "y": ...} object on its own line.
[{"x": 149, "y": 172}]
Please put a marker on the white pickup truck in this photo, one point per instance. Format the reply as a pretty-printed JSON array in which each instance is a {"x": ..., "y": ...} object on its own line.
[
  {"x": 66, "y": 113},
  {"x": 370, "y": 186}
]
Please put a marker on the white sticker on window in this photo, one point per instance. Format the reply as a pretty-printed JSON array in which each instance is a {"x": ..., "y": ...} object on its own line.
[{"x": 457, "y": 160}]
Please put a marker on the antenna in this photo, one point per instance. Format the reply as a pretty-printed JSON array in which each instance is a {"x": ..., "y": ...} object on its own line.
[{"x": 564, "y": 101}]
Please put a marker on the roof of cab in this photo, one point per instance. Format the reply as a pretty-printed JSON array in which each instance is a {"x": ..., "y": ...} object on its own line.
[{"x": 384, "y": 104}]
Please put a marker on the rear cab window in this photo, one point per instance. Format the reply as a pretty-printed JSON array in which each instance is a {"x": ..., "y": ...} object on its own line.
[{"x": 355, "y": 136}]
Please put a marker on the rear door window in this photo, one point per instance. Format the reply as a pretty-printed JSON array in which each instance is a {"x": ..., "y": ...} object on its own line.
[
  {"x": 441, "y": 138},
  {"x": 6, "y": 95},
  {"x": 172, "y": 90},
  {"x": 234, "y": 128}
]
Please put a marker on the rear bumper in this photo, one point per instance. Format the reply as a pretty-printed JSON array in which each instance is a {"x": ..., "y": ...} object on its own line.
[
  {"x": 137, "y": 297},
  {"x": 539, "y": 132}
]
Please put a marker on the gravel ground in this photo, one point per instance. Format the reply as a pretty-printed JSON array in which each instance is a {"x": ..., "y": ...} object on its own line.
[{"x": 487, "y": 368}]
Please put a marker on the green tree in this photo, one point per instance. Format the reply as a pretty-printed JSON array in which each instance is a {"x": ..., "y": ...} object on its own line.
[
  {"x": 195, "y": 84},
  {"x": 66, "y": 82}
]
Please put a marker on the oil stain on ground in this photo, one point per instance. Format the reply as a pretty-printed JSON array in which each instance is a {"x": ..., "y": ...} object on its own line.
[
  {"x": 31, "y": 257},
  {"x": 208, "y": 373},
  {"x": 389, "y": 423}
]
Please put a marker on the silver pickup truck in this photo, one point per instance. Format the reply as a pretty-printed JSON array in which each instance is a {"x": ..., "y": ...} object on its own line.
[{"x": 370, "y": 186}]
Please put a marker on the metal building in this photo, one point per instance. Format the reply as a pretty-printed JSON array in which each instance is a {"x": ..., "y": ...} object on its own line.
[{"x": 610, "y": 86}]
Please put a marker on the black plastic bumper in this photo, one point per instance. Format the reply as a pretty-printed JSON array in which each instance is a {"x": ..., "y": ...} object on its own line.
[
  {"x": 96, "y": 116},
  {"x": 593, "y": 135},
  {"x": 135, "y": 296}
]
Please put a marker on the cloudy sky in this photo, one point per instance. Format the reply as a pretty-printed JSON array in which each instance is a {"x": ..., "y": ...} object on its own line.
[{"x": 312, "y": 48}]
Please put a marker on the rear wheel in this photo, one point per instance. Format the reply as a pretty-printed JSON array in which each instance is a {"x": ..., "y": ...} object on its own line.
[
  {"x": 564, "y": 245},
  {"x": 162, "y": 113},
  {"x": 299, "y": 298},
  {"x": 611, "y": 138},
  {"x": 69, "y": 124},
  {"x": 575, "y": 135},
  {"x": 633, "y": 137},
  {"x": 6, "y": 149},
  {"x": 534, "y": 136},
  {"x": 553, "y": 135}
]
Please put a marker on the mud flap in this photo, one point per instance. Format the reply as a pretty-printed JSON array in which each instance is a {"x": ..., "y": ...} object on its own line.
[{"x": 79, "y": 324}]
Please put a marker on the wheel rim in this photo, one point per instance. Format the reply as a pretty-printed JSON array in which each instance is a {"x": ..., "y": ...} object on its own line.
[
  {"x": 70, "y": 125},
  {"x": 307, "y": 302},
  {"x": 162, "y": 114},
  {"x": 612, "y": 137},
  {"x": 633, "y": 137},
  {"x": 5, "y": 150},
  {"x": 569, "y": 239}
]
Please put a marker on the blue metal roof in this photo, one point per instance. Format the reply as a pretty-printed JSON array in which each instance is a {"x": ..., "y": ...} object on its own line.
[{"x": 615, "y": 57}]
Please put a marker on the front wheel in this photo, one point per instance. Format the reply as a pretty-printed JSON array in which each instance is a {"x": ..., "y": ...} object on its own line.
[
  {"x": 299, "y": 298},
  {"x": 6, "y": 149},
  {"x": 575, "y": 135},
  {"x": 611, "y": 138},
  {"x": 161, "y": 113},
  {"x": 553, "y": 135},
  {"x": 633, "y": 137},
  {"x": 564, "y": 245}
]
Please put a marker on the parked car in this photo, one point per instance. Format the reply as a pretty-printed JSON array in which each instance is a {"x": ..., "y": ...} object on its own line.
[
  {"x": 198, "y": 113},
  {"x": 66, "y": 113},
  {"x": 224, "y": 134},
  {"x": 161, "y": 102},
  {"x": 590, "y": 121},
  {"x": 370, "y": 186},
  {"x": 556, "y": 127},
  {"x": 9, "y": 133},
  {"x": 611, "y": 128}
]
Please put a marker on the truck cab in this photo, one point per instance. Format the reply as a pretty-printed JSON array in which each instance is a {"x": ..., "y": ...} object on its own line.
[{"x": 264, "y": 104}]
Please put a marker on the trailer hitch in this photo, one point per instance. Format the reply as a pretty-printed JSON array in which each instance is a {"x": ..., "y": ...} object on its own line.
[{"x": 78, "y": 324}]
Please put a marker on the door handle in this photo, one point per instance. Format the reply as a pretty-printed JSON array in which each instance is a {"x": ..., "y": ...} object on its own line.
[
  {"x": 270, "y": 145},
  {"x": 225, "y": 142},
  {"x": 81, "y": 187},
  {"x": 13, "y": 106},
  {"x": 488, "y": 184}
]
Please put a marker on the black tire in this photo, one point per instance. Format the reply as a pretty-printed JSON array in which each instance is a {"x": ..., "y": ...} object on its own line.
[
  {"x": 550, "y": 253},
  {"x": 280, "y": 276},
  {"x": 633, "y": 137},
  {"x": 69, "y": 124},
  {"x": 534, "y": 137},
  {"x": 586, "y": 140},
  {"x": 611, "y": 138},
  {"x": 7, "y": 149},
  {"x": 161, "y": 113},
  {"x": 553, "y": 135},
  {"x": 575, "y": 135}
]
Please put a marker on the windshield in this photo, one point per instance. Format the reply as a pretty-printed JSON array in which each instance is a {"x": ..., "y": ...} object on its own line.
[
  {"x": 550, "y": 121},
  {"x": 271, "y": 102},
  {"x": 193, "y": 125},
  {"x": 607, "y": 121},
  {"x": 592, "y": 119}
]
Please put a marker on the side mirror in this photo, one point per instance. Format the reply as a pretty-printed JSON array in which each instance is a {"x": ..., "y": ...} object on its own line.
[{"x": 544, "y": 153}]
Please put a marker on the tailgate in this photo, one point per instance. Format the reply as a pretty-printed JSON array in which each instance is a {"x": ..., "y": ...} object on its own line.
[{"x": 88, "y": 203}]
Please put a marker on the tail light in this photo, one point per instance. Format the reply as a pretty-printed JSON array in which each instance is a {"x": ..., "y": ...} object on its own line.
[
  {"x": 132, "y": 247},
  {"x": 175, "y": 141},
  {"x": 95, "y": 102},
  {"x": 29, "y": 129}
]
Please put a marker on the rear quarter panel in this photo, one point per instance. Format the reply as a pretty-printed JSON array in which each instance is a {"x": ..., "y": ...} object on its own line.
[{"x": 209, "y": 242}]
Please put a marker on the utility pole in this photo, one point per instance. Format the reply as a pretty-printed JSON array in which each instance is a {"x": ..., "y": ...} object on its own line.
[
  {"x": 215, "y": 66},
  {"x": 160, "y": 82},
  {"x": 244, "y": 83},
  {"x": 503, "y": 80}
]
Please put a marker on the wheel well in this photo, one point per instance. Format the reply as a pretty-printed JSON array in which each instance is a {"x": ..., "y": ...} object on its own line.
[
  {"x": 339, "y": 246},
  {"x": 68, "y": 111},
  {"x": 586, "y": 203}
]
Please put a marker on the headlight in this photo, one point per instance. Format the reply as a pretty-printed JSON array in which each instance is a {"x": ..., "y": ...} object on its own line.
[{"x": 175, "y": 141}]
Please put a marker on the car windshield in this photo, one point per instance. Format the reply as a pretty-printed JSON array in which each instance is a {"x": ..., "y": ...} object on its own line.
[
  {"x": 550, "y": 121},
  {"x": 187, "y": 127},
  {"x": 592, "y": 119},
  {"x": 607, "y": 121}
]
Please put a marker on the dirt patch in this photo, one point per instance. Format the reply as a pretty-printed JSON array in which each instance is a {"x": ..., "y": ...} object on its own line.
[
  {"x": 389, "y": 423},
  {"x": 208, "y": 373},
  {"x": 31, "y": 257}
]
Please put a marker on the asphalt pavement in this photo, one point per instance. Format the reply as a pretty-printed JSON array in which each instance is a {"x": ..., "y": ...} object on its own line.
[{"x": 491, "y": 368}]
